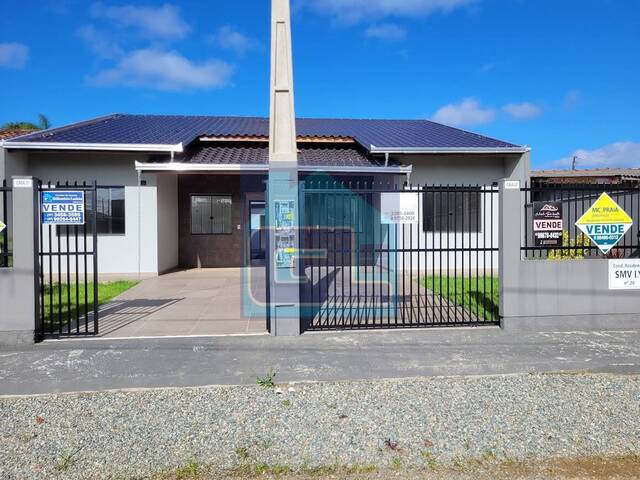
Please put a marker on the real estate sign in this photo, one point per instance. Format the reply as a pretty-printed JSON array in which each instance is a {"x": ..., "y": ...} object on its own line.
[
  {"x": 62, "y": 207},
  {"x": 2, "y": 226},
  {"x": 399, "y": 207},
  {"x": 624, "y": 274},
  {"x": 547, "y": 224},
  {"x": 605, "y": 223}
]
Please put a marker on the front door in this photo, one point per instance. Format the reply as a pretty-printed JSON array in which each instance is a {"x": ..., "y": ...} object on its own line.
[{"x": 257, "y": 234}]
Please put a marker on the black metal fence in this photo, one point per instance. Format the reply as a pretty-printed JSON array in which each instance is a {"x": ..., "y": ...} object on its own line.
[
  {"x": 67, "y": 259},
  {"x": 363, "y": 269},
  {"x": 573, "y": 201},
  {"x": 6, "y": 255}
]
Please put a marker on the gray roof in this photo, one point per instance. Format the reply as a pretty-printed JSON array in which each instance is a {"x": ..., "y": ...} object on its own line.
[
  {"x": 258, "y": 154},
  {"x": 595, "y": 172},
  {"x": 175, "y": 129}
]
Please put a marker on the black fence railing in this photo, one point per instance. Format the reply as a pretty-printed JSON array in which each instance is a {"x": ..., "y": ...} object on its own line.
[
  {"x": 6, "y": 250},
  {"x": 67, "y": 259},
  {"x": 568, "y": 203},
  {"x": 436, "y": 264}
]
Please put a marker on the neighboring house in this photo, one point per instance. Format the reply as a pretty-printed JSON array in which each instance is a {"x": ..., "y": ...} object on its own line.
[
  {"x": 189, "y": 191},
  {"x": 14, "y": 132},
  {"x": 597, "y": 176}
]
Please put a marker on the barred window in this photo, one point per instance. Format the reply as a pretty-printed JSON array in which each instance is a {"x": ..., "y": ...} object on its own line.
[{"x": 452, "y": 211}]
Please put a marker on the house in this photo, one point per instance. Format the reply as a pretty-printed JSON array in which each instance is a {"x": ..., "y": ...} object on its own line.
[
  {"x": 596, "y": 176},
  {"x": 189, "y": 191}
]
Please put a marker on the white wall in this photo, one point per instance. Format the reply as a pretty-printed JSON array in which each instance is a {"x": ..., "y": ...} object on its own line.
[
  {"x": 461, "y": 170},
  {"x": 137, "y": 250}
]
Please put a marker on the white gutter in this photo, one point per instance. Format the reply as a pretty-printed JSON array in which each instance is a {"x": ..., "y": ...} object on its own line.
[
  {"x": 206, "y": 167},
  {"x": 443, "y": 150},
  {"x": 121, "y": 147}
]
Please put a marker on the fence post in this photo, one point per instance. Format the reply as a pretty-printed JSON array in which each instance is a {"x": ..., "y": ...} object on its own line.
[
  {"x": 510, "y": 237},
  {"x": 18, "y": 299}
]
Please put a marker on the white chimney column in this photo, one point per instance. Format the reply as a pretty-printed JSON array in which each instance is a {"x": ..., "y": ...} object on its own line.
[
  {"x": 282, "y": 124},
  {"x": 282, "y": 189}
]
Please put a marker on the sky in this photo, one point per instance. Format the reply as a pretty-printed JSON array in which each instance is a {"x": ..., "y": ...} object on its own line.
[{"x": 560, "y": 76}]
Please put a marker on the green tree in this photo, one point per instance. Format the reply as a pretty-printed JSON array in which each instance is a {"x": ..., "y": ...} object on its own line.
[{"x": 43, "y": 123}]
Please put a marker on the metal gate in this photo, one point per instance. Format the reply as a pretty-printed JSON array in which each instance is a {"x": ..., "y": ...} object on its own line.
[
  {"x": 67, "y": 276},
  {"x": 363, "y": 268}
]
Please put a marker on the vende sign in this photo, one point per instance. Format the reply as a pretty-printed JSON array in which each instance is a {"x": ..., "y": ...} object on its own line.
[
  {"x": 62, "y": 207},
  {"x": 547, "y": 225},
  {"x": 398, "y": 208}
]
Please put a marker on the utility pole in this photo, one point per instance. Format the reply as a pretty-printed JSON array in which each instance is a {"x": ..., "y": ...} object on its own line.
[
  {"x": 573, "y": 162},
  {"x": 282, "y": 185}
]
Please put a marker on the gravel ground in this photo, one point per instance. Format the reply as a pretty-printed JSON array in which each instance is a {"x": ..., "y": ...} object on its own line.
[{"x": 385, "y": 423}]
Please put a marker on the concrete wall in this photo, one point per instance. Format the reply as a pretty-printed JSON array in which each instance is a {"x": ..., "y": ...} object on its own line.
[
  {"x": 119, "y": 255},
  {"x": 555, "y": 295}
]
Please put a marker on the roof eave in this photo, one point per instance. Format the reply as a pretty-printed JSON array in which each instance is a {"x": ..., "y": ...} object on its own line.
[
  {"x": 208, "y": 167},
  {"x": 118, "y": 147},
  {"x": 448, "y": 150}
]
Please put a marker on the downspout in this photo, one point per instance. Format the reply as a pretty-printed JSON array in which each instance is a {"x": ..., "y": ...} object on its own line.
[{"x": 139, "y": 223}]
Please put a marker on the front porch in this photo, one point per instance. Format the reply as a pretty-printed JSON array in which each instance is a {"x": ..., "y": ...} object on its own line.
[{"x": 193, "y": 302}]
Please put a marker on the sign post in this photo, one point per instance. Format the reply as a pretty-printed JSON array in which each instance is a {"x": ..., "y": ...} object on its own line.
[{"x": 605, "y": 223}]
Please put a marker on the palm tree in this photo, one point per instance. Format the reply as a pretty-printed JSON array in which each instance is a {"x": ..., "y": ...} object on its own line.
[{"x": 43, "y": 123}]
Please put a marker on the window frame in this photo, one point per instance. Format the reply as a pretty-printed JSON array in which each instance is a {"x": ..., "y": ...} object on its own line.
[
  {"x": 91, "y": 213},
  {"x": 219, "y": 195},
  {"x": 455, "y": 227}
]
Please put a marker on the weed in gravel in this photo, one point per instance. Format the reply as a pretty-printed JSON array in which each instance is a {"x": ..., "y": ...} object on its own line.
[
  {"x": 267, "y": 380},
  {"x": 67, "y": 459},
  {"x": 428, "y": 457},
  {"x": 286, "y": 402},
  {"x": 488, "y": 456},
  {"x": 242, "y": 453},
  {"x": 190, "y": 470},
  {"x": 266, "y": 469},
  {"x": 396, "y": 463}
]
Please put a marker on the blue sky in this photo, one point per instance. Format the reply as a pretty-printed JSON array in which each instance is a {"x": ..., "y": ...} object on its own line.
[{"x": 559, "y": 75}]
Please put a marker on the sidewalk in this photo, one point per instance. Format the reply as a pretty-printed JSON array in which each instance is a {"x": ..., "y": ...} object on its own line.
[{"x": 84, "y": 365}]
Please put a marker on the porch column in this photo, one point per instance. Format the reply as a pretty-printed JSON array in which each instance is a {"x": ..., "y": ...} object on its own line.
[{"x": 282, "y": 194}]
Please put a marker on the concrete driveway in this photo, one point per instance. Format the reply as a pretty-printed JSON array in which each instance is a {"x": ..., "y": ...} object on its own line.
[{"x": 219, "y": 301}]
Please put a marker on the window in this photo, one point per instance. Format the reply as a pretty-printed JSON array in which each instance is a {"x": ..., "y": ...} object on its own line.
[
  {"x": 452, "y": 211},
  {"x": 210, "y": 214},
  {"x": 110, "y": 211}
]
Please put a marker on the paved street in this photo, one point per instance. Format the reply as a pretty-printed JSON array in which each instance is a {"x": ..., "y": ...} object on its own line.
[{"x": 80, "y": 365}]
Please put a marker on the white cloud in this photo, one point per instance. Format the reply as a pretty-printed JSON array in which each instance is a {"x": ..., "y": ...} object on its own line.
[
  {"x": 353, "y": 11},
  {"x": 157, "y": 22},
  {"x": 386, "y": 31},
  {"x": 522, "y": 111},
  {"x": 13, "y": 55},
  {"x": 162, "y": 70},
  {"x": 100, "y": 43},
  {"x": 620, "y": 154},
  {"x": 230, "y": 39},
  {"x": 467, "y": 112}
]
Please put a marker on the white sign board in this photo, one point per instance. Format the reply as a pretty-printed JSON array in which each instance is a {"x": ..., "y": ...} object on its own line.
[
  {"x": 512, "y": 185},
  {"x": 399, "y": 208},
  {"x": 2, "y": 226},
  {"x": 624, "y": 274}
]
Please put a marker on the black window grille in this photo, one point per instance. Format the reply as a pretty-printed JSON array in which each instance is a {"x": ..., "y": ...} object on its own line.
[{"x": 456, "y": 210}]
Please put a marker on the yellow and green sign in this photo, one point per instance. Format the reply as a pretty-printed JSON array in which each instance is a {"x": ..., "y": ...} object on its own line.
[{"x": 605, "y": 223}]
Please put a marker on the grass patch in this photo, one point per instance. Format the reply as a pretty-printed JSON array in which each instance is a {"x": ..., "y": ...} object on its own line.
[
  {"x": 67, "y": 301},
  {"x": 268, "y": 380},
  {"x": 479, "y": 296}
]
